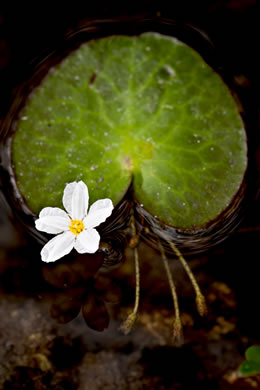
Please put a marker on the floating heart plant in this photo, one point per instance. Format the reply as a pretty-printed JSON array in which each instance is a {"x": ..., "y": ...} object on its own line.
[{"x": 143, "y": 113}]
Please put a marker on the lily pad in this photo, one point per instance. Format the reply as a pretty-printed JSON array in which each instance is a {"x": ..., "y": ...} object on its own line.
[
  {"x": 252, "y": 364},
  {"x": 146, "y": 110}
]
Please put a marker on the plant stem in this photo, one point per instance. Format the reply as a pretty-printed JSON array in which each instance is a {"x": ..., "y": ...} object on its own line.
[
  {"x": 129, "y": 322},
  {"x": 177, "y": 325},
  {"x": 200, "y": 300}
]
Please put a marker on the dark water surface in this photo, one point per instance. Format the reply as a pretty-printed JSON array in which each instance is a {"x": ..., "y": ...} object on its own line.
[{"x": 59, "y": 322}]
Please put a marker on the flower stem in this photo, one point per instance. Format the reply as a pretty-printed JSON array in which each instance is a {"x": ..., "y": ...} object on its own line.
[{"x": 177, "y": 325}]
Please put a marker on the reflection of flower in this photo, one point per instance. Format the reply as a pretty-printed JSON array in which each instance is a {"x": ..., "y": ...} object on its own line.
[
  {"x": 75, "y": 228},
  {"x": 78, "y": 286}
]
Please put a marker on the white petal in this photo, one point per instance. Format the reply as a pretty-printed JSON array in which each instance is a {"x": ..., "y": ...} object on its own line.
[
  {"x": 58, "y": 247},
  {"x": 52, "y": 220},
  {"x": 75, "y": 199},
  {"x": 98, "y": 213},
  {"x": 87, "y": 241}
]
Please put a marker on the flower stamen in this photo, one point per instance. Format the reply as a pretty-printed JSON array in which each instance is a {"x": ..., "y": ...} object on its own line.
[{"x": 76, "y": 226}]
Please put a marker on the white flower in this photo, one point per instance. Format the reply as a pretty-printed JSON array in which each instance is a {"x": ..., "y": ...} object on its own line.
[{"x": 75, "y": 228}]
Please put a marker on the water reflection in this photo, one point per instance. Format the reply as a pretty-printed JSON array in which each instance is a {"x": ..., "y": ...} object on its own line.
[{"x": 77, "y": 287}]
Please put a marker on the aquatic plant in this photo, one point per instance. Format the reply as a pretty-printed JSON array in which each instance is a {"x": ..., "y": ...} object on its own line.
[{"x": 144, "y": 117}]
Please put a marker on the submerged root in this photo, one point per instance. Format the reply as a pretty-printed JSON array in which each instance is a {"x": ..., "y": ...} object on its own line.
[
  {"x": 201, "y": 305},
  {"x": 177, "y": 325},
  {"x": 128, "y": 324},
  {"x": 200, "y": 299}
]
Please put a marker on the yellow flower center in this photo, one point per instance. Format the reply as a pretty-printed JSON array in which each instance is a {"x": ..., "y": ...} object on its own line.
[{"x": 76, "y": 226}]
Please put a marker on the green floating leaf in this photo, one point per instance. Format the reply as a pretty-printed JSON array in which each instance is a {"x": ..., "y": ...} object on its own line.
[
  {"x": 146, "y": 109},
  {"x": 252, "y": 365}
]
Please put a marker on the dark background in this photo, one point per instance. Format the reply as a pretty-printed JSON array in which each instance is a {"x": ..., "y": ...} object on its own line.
[
  {"x": 33, "y": 299},
  {"x": 232, "y": 25}
]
